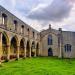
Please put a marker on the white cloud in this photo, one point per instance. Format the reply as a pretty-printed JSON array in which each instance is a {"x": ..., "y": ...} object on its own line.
[
  {"x": 55, "y": 11},
  {"x": 21, "y": 8}
]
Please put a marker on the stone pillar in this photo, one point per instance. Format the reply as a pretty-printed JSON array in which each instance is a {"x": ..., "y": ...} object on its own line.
[
  {"x": 25, "y": 52},
  {"x": 0, "y": 46},
  {"x": 60, "y": 43},
  {"x": 38, "y": 51},
  {"x": 30, "y": 52},
  {"x": 8, "y": 52},
  {"x": 35, "y": 52},
  {"x": 60, "y": 50},
  {"x": 18, "y": 52}
]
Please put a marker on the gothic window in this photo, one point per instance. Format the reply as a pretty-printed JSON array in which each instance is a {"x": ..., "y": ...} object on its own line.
[
  {"x": 67, "y": 48},
  {"x": 22, "y": 29},
  {"x": 33, "y": 45},
  {"x": 49, "y": 39},
  {"x": 4, "y": 19},
  {"x": 15, "y": 24},
  {"x": 28, "y": 31},
  {"x": 33, "y": 34}
]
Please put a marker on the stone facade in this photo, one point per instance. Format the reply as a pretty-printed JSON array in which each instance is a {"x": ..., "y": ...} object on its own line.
[
  {"x": 19, "y": 40},
  {"x": 63, "y": 43}
]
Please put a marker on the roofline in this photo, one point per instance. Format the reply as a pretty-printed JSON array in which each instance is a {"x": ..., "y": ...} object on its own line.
[{"x": 17, "y": 17}]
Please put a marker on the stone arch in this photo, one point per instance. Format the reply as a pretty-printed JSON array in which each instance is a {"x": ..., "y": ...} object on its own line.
[
  {"x": 5, "y": 43},
  {"x": 50, "y": 52},
  {"x": 7, "y": 38},
  {"x": 37, "y": 49},
  {"x": 28, "y": 48},
  {"x": 51, "y": 33},
  {"x": 33, "y": 48},
  {"x": 22, "y": 47},
  {"x": 13, "y": 46}
]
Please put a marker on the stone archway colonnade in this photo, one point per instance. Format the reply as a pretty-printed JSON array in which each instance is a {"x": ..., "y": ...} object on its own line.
[{"x": 13, "y": 47}]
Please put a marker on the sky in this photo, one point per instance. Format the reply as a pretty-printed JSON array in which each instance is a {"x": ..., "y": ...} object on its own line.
[{"x": 40, "y": 13}]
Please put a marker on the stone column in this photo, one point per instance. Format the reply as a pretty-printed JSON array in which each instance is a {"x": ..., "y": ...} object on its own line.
[
  {"x": 30, "y": 52},
  {"x": 8, "y": 52},
  {"x": 25, "y": 52},
  {"x": 35, "y": 52},
  {"x": 18, "y": 52},
  {"x": 60, "y": 43},
  {"x": 0, "y": 46},
  {"x": 60, "y": 50},
  {"x": 38, "y": 51}
]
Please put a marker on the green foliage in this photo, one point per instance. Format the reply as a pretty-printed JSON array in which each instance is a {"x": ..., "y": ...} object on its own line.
[{"x": 39, "y": 66}]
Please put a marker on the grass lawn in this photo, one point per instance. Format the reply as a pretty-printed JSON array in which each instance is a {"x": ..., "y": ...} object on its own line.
[{"x": 39, "y": 66}]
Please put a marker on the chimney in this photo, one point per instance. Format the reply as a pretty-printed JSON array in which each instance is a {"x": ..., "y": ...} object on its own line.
[
  {"x": 49, "y": 26},
  {"x": 60, "y": 29}
]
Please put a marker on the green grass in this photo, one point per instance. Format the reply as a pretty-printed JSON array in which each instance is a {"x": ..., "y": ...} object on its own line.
[{"x": 39, "y": 66}]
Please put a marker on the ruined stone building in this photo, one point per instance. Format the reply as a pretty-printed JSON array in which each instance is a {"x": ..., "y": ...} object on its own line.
[{"x": 19, "y": 40}]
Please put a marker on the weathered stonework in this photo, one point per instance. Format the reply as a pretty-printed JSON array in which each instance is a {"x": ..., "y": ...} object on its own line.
[{"x": 18, "y": 39}]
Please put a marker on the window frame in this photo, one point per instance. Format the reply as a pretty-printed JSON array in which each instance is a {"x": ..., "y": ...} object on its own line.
[
  {"x": 4, "y": 19},
  {"x": 15, "y": 24},
  {"x": 22, "y": 29},
  {"x": 68, "y": 48},
  {"x": 49, "y": 39}
]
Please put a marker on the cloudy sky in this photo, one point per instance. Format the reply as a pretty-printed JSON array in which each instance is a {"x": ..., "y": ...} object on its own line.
[{"x": 40, "y": 13}]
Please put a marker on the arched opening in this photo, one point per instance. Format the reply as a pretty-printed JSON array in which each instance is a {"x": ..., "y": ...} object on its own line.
[
  {"x": 27, "y": 48},
  {"x": 15, "y": 24},
  {"x": 22, "y": 29},
  {"x": 37, "y": 49},
  {"x": 13, "y": 47},
  {"x": 50, "y": 53},
  {"x": 4, "y": 46},
  {"x": 4, "y": 19},
  {"x": 33, "y": 49},
  {"x": 22, "y": 48}
]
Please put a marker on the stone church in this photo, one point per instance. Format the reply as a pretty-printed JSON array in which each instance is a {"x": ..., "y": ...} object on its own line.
[{"x": 19, "y": 40}]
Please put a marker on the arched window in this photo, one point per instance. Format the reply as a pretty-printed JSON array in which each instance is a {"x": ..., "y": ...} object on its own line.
[
  {"x": 15, "y": 24},
  {"x": 28, "y": 31},
  {"x": 22, "y": 29},
  {"x": 49, "y": 39},
  {"x": 33, "y": 45},
  {"x": 33, "y": 34},
  {"x": 4, "y": 19},
  {"x": 67, "y": 48}
]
